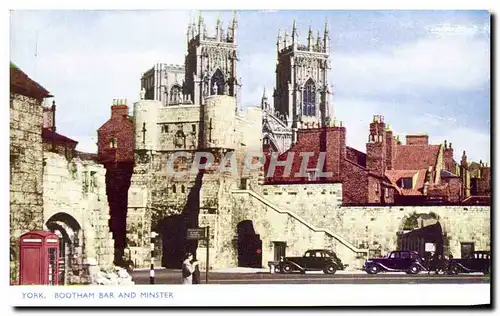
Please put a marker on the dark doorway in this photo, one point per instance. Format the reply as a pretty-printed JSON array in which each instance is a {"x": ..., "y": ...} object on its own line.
[
  {"x": 249, "y": 246},
  {"x": 173, "y": 230},
  {"x": 279, "y": 250},
  {"x": 466, "y": 249},
  {"x": 416, "y": 239}
]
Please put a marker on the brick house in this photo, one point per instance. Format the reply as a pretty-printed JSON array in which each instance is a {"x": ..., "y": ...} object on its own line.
[
  {"x": 390, "y": 172},
  {"x": 116, "y": 151}
]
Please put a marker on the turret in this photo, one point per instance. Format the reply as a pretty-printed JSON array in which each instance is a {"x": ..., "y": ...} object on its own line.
[
  {"x": 326, "y": 39},
  {"x": 234, "y": 27},
  {"x": 295, "y": 37},
  {"x": 319, "y": 48},
  {"x": 376, "y": 150},
  {"x": 218, "y": 29},
  {"x": 278, "y": 41},
  {"x": 310, "y": 40}
]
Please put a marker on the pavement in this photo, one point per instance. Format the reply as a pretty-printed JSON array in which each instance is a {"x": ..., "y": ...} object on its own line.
[{"x": 262, "y": 276}]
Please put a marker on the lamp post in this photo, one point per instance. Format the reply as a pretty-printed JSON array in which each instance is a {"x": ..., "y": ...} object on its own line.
[{"x": 152, "y": 268}]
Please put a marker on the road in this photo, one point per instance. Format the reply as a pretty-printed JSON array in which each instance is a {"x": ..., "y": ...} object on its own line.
[{"x": 174, "y": 277}]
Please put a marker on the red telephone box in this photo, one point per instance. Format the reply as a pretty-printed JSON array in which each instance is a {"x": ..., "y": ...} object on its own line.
[{"x": 39, "y": 255}]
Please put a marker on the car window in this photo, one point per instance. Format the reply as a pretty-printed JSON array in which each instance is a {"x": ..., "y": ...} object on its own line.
[
  {"x": 413, "y": 255},
  {"x": 405, "y": 255},
  {"x": 318, "y": 254},
  {"x": 394, "y": 255},
  {"x": 326, "y": 255},
  {"x": 308, "y": 254}
]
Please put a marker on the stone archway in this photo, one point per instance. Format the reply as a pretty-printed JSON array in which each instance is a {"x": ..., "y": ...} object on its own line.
[
  {"x": 174, "y": 245},
  {"x": 69, "y": 231},
  {"x": 249, "y": 245},
  {"x": 420, "y": 229}
]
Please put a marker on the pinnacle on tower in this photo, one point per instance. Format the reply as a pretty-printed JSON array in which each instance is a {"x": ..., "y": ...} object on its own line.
[
  {"x": 294, "y": 33},
  {"x": 310, "y": 39},
  {"x": 326, "y": 38}
]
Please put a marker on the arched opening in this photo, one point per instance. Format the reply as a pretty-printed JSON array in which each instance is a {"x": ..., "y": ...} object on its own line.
[
  {"x": 309, "y": 99},
  {"x": 249, "y": 245},
  {"x": 424, "y": 234},
  {"x": 173, "y": 233},
  {"x": 67, "y": 228},
  {"x": 217, "y": 82},
  {"x": 175, "y": 94}
]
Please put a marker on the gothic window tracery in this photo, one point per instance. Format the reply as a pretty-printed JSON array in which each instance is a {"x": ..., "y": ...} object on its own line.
[
  {"x": 309, "y": 99},
  {"x": 217, "y": 83}
]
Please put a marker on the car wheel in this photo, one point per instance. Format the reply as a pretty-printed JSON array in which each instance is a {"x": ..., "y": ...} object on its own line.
[
  {"x": 373, "y": 269},
  {"x": 287, "y": 268},
  {"x": 454, "y": 269},
  {"x": 414, "y": 269},
  {"x": 330, "y": 269}
]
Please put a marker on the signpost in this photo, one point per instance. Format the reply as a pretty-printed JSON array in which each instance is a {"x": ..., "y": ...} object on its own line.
[{"x": 202, "y": 233}]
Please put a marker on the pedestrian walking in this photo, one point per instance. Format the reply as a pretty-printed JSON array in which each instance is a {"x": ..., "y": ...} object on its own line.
[
  {"x": 196, "y": 274},
  {"x": 188, "y": 267},
  {"x": 431, "y": 263}
]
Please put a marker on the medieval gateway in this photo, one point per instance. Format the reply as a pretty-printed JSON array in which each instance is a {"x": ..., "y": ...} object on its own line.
[{"x": 372, "y": 202}]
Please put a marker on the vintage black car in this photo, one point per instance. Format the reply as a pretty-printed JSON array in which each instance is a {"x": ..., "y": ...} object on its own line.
[
  {"x": 313, "y": 260},
  {"x": 478, "y": 261},
  {"x": 396, "y": 261}
]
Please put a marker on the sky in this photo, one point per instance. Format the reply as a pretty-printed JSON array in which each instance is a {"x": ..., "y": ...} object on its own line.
[{"x": 424, "y": 71}]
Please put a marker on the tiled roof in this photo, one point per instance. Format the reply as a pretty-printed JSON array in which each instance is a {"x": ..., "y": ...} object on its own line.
[
  {"x": 22, "y": 84},
  {"x": 447, "y": 174},
  {"x": 49, "y": 136},
  {"x": 395, "y": 175},
  {"x": 416, "y": 157}
]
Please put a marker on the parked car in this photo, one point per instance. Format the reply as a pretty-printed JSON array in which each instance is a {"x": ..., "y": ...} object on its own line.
[
  {"x": 478, "y": 261},
  {"x": 312, "y": 260},
  {"x": 396, "y": 261}
]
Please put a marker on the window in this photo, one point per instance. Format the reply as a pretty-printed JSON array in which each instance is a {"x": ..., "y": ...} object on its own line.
[
  {"x": 308, "y": 254},
  {"x": 405, "y": 255},
  {"x": 113, "y": 143},
  {"x": 309, "y": 99},
  {"x": 182, "y": 189},
  {"x": 407, "y": 183},
  {"x": 377, "y": 187},
  {"x": 164, "y": 128},
  {"x": 394, "y": 255},
  {"x": 174, "y": 189},
  {"x": 386, "y": 192},
  {"x": 193, "y": 128}
]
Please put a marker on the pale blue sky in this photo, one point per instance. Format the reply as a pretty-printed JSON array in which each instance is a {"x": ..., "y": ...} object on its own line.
[{"x": 425, "y": 71}]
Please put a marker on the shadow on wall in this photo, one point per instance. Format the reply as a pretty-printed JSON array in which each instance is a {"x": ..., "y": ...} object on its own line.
[
  {"x": 173, "y": 229},
  {"x": 118, "y": 177},
  {"x": 249, "y": 245}
]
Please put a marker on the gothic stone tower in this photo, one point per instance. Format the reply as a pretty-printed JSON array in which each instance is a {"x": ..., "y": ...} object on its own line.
[
  {"x": 211, "y": 62},
  {"x": 302, "y": 92}
]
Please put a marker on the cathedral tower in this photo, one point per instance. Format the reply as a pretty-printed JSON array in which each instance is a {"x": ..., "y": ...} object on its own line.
[
  {"x": 211, "y": 61},
  {"x": 302, "y": 94}
]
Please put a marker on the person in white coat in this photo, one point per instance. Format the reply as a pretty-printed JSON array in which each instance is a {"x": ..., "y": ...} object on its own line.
[{"x": 188, "y": 269}]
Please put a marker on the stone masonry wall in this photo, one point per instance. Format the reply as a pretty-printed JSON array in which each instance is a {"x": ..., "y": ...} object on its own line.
[
  {"x": 26, "y": 172},
  {"x": 313, "y": 202},
  {"x": 75, "y": 191},
  {"x": 350, "y": 231}
]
